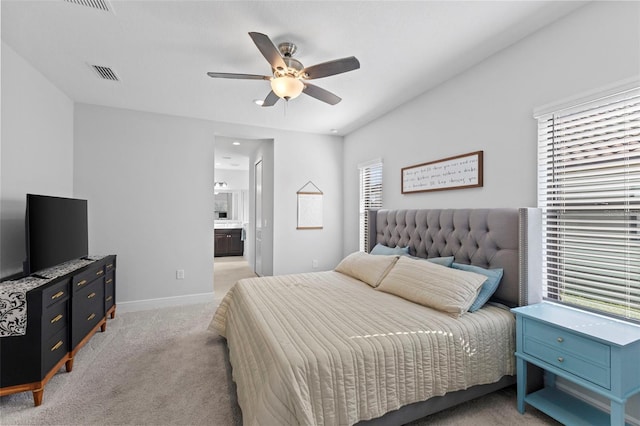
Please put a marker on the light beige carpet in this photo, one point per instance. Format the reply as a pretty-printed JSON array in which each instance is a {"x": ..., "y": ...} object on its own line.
[{"x": 162, "y": 367}]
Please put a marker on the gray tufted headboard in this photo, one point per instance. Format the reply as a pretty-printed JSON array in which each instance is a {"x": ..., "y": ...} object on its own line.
[{"x": 488, "y": 238}]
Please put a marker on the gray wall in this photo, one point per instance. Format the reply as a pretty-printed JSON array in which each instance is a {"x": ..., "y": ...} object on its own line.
[
  {"x": 148, "y": 178},
  {"x": 490, "y": 107},
  {"x": 149, "y": 182},
  {"x": 36, "y": 150}
]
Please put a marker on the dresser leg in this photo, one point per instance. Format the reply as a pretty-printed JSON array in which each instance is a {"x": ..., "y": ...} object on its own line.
[
  {"x": 37, "y": 396},
  {"x": 113, "y": 313},
  {"x": 69, "y": 365},
  {"x": 522, "y": 383},
  {"x": 103, "y": 327}
]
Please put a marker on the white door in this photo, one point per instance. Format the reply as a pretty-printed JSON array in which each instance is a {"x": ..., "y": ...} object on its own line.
[{"x": 258, "y": 222}]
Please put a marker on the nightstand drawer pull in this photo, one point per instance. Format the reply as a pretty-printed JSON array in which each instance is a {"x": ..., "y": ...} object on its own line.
[
  {"x": 109, "y": 298},
  {"x": 56, "y": 346},
  {"x": 81, "y": 283},
  {"x": 109, "y": 281},
  {"x": 560, "y": 339},
  {"x": 109, "y": 266},
  {"x": 99, "y": 272},
  {"x": 56, "y": 318},
  {"x": 58, "y": 294},
  {"x": 91, "y": 295},
  {"x": 90, "y": 317},
  {"x": 560, "y": 359}
]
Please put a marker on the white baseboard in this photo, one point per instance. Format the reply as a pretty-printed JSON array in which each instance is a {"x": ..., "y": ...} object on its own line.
[{"x": 163, "y": 302}]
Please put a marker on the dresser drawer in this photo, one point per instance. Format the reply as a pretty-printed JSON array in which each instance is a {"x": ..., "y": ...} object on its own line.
[
  {"x": 109, "y": 291},
  {"x": 110, "y": 265},
  {"x": 54, "y": 349},
  {"x": 54, "y": 319},
  {"x": 82, "y": 280},
  {"x": 56, "y": 293},
  {"x": 88, "y": 310},
  {"x": 559, "y": 338}
]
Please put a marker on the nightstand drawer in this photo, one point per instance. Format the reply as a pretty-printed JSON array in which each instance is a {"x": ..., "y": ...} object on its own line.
[
  {"x": 568, "y": 362},
  {"x": 567, "y": 342}
]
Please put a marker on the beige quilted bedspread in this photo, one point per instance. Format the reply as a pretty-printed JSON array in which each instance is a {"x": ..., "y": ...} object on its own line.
[{"x": 326, "y": 349}]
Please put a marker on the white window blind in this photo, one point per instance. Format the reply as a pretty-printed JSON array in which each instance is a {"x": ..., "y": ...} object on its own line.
[
  {"x": 589, "y": 193},
  {"x": 370, "y": 197}
]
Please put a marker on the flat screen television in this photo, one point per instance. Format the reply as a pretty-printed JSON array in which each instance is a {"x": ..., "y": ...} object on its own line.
[{"x": 56, "y": 231}]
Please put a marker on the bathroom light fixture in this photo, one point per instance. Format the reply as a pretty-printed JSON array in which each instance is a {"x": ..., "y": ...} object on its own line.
[{"x": 220, "y": 185}]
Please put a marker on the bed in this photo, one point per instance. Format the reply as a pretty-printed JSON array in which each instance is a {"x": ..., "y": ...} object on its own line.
[{"x": 342, "y": 347}]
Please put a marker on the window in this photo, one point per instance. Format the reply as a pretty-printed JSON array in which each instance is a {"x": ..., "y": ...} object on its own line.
[
  {"x": 370, "y": 196},
  {"x": 589, "y": 193}
]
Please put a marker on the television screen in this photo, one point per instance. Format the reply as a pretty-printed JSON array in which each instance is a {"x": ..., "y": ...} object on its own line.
[{"x": 56, "y": 231}]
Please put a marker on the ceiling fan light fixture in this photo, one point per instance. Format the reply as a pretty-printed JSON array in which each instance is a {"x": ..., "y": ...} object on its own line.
[{"x": 287, "y": 87}]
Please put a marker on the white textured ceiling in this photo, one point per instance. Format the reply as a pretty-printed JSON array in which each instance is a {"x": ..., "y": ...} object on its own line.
[{"x": 162, "y": 50}]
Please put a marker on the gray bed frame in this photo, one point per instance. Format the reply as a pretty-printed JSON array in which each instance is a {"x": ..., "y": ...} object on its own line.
[{"x": 489, "y": 238}]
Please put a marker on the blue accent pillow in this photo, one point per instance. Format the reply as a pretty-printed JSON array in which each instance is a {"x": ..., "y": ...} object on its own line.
[
  {"x": 444, "y": 261},
  {"x": 384, "y": 250},
  {"x": 488, "y": 287}
]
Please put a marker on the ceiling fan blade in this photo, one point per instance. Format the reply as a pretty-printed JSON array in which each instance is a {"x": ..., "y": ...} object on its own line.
[
  {"x": 270, "y": 100},
  {"x": 336, "y": 66},
  {"x": 268, "y": 50},
  {"x": 321, "y": 94},
  {"x": 238, "y": 76}
]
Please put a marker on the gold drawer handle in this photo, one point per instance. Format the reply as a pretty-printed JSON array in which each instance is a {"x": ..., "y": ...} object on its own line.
[
  {"x": 560, "y": 359},
  {"x": 109, "y": 298},
  {"x": 110, "y": 280},
  {"x": 58, "y": 294},
  {"x": 99, "y": 272},
  {"x": 90, "y": 317},
  {"x": 91, "y": 295},
  {"x": 81, "y": 283},
  {"x": 57, "y": 318},
  {"x": 109, "y": 266},
  {"x": 560, "y": 339},
  {"x": 56, "y": 346}
]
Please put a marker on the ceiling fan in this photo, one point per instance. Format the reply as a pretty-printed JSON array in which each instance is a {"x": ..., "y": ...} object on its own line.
[{"x": 290, "y": 77}]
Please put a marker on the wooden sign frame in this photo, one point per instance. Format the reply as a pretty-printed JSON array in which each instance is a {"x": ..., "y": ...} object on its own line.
[
  {"x": 309, "y": 207},
  {"x": 458, "y": 172}
]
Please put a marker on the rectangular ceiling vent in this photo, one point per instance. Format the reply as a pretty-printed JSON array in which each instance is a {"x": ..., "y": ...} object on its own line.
[
  {"x": 105, "y": 73},
  {"x": 103, "y": 5}
]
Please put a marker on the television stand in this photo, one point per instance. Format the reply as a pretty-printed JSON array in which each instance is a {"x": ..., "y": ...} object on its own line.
[{"x": 62, "y": 316}]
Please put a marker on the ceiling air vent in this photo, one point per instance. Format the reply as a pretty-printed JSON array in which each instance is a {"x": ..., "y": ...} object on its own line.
[
  {"x": 105, "y": 73},
  {"x": 94, "y": 4}
]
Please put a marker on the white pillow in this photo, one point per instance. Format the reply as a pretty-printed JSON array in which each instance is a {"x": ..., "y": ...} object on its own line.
[
  {"x": 366, "y": 267},
  {"x": 448, "y": 290}
]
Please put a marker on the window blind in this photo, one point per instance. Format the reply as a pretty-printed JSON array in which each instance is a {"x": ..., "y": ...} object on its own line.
[
  {"x": 370, "y": 197},
  {"x": 589, "y": 194}
]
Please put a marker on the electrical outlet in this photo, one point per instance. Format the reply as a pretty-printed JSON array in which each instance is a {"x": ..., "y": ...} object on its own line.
[
  {"x": 314, "y": 263},
  {"x": 180, "y": 274}
]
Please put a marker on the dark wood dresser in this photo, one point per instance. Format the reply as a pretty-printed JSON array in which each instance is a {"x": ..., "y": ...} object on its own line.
[{"x": 62, "y": 315}]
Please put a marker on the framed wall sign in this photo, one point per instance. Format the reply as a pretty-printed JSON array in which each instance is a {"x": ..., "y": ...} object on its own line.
[{"x": 461, "y": 171}]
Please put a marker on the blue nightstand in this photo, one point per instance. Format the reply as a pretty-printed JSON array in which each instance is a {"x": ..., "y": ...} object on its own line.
[{"x": 593, "y": 351}]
